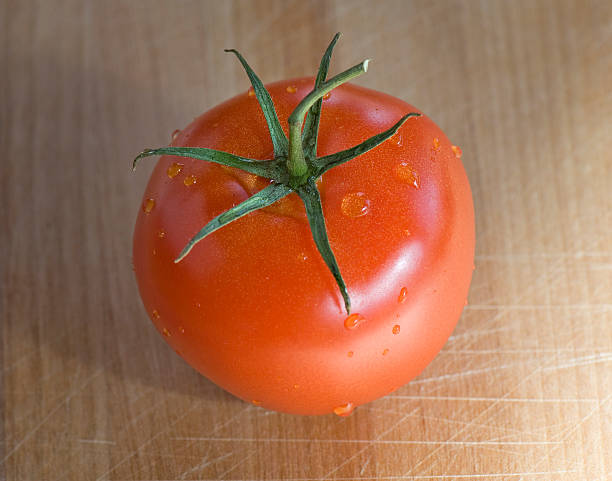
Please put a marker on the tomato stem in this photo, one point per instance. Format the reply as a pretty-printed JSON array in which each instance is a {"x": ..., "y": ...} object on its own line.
[
  {"x": 296, "y": 162},
  {"x": 295, "y": 167}
]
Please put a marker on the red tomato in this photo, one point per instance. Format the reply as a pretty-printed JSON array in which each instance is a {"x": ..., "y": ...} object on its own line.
[{"x": 254, "y": 307}]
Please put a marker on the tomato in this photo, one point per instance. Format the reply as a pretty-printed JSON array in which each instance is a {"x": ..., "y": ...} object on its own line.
[{"x": 254, "y": 307}]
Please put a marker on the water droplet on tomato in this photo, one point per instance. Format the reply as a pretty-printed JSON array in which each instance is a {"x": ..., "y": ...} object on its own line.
[
  {"x": 396, "y": 329},
  {"x": 190, "y": 180},
  {"x": 457, "y": 151},
  {"x": 166, "y": 332},
  {"x": 344, "y": 409},
  {"x": 327, "y": 95},
  {"x": 350, "y": 354},
  {"x": 296, "y": 386},
  {"x": 404, "y": 172},
  {"x": 385, "y": 352},
  {"x": 251, "y": 92},
  {"x": 148, "y": 205},
  {"x": 161, "y": 234},
  {"x": 175, "y": 134},
  {"x": 181, "y": 329},
  {"x": 355, "y": 204},
  {"x": 398, "y": 138},
  {"x": 352, "y": 321},
  {"x": 174, "y": 169},
  {"x": 291, "y": 89},
  {"x": 402, "y": 295},
  {"x": 436, "y": 143},
  {"x": 302, "y": 256},
  {"x": 155, "y": 314}
]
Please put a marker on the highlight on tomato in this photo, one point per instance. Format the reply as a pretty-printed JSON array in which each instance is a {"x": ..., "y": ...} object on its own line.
[{"x": 306, "y": 245}]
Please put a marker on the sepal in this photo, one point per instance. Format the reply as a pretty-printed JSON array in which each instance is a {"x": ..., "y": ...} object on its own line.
[
  {"x": 323, "y": 164},
  {"x": 314, "y": 210},
  {"x": 279, "y": 140},
  {"x": 269, "y": 169},
  {"x": 261, "y": 199}
]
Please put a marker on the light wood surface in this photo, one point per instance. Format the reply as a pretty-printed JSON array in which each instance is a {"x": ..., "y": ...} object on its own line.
[{"x": 522, "y": 390}]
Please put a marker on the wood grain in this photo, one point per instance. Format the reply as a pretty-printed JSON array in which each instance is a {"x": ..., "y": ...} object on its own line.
[{"x": 522, "y": 390}]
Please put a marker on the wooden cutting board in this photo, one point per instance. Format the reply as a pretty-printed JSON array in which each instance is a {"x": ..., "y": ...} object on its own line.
[{"x": 522, "y": 390}]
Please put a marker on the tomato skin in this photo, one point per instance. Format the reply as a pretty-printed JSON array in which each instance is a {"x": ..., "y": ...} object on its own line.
[{"x": 255, "y": 309}]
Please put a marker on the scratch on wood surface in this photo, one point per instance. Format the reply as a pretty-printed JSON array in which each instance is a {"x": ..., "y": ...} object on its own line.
[
  {"x": 146, "y": 443},
  {"x": 365, "y": 441},
  {"x": 473, "y": 421},
  {"x": 153, "y": 438},
  {"x": 602, "y": 267},
  {"x": 539, "y": 462},
  {"x": 418, "y": 477},
  {"x": 96, "y": 441},
  {"x": 239, "y": 463},
  {"x": 142, "y": 414},
  {"x": 572, "y": 427},
  {"x": 204, "y": 463},
  {"x": 365, "y": 465},
  {"x": 475, "y": 333},
  {"x": 582, "y": 361},
  {"x": 66, "y": 399},
  {"x": 556, "y": 267},
  {"x": 528, "y": 256},
  {"x": 575, "y": 426},
  {"x": 370, "y": 443},
  {"x": 535, "y": 350},
  {"x": 220, "y": 426},
  {"x": 494, "y": 399},
  {"x": 506, "y": 452},
  {"x": 27, "y": 414},
  {"x": 6, "y": 369},
  {"x": 489, "y": 307},
  {"x": 471, "y": 372},
  {"x": 507, "y": 431},
  {"x": 140, "y": 393},
  {"x": 552, "y": 270}
]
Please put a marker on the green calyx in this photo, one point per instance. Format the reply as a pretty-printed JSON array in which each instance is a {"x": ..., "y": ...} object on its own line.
[{"x": 295, "y": 166}]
